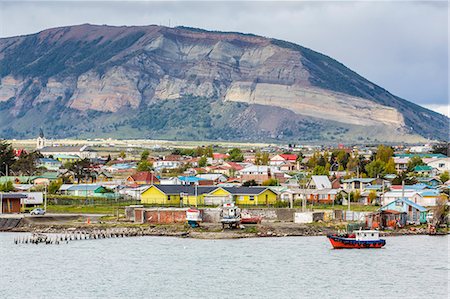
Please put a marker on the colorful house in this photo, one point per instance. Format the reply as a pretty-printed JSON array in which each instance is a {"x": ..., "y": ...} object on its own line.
[
  {"x": 90, "y": 190},
  {"x": 415, "y": 212},
  {"x": 177, "y": 195},
  {"x": 143, "y": 178},
  {"x": 242, "y": 196}
]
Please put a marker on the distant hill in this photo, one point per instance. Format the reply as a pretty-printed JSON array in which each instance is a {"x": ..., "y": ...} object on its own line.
[{"x": 191, "y": 84}]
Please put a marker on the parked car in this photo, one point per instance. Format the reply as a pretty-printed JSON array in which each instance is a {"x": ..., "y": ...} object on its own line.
[{"x": 37, "y": 211}]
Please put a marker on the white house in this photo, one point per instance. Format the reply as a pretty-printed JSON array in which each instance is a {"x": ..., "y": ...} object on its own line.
[
  {"x": 319, "y": 182},
  {"x": 441, "y": 164},
  {"x": 391, "y": 196}
]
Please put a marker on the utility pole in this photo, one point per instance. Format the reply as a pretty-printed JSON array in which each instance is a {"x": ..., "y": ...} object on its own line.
[
  {"x": 45, "y": 199},
  {"x": 196, "y": 192}
]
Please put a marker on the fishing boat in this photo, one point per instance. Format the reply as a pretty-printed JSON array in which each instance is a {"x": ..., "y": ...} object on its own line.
[{"x": 358, "y": 239}]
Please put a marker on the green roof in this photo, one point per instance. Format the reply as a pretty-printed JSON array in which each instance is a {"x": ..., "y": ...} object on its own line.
[
  {"x": 427, "y": 155},
  {"x": 423, "y": 168}
]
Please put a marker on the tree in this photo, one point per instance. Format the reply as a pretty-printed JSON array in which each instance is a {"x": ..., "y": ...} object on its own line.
[
  {"x": 384, "y": 153},
  {"x": 258, "y": 160},
  {"x": 270, "y": 182},
  {"x": 445, "y": 176},
  {"x": 372, "y": 196},
  {"x": 6, "y": 156},
  {"x": 202, "y": 161},
  {"x": 265, "y": 158},
  {"x": 390, "y": 167},
  {"x": 375, "y": 168},
  {"x": 320, "y": 170},
  {"x": 236, "y": 155},
  {"x": 249, "y": 183},
  {"x": 54, "y": 186},
  {"x": 26, "y": 164},
  {"x": 81, "y": 169},
  {"x": 144, "y": 165},
  {"x": 144, "y": 155},
  {"x": 7, "y": 187},
  {"x": 122, "y": 154},
  {"x": 442, "y": 148},
  {"x": 415, "y": 161},
  {"x": 353, "y": 163}
]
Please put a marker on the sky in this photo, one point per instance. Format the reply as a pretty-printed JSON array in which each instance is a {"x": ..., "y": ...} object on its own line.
[{"x": 400, "y": 45}]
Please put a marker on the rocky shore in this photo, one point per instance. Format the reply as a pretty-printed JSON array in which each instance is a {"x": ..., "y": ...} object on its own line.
[{"x": 206, "y": 231}]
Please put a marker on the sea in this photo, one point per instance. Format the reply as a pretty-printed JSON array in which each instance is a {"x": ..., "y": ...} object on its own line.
[{"x": 167, "y": 267}]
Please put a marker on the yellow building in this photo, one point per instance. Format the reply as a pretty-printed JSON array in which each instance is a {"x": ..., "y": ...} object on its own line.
[
  {"x": 246, "y": 195},
  {"x": 172, "y": 195}
]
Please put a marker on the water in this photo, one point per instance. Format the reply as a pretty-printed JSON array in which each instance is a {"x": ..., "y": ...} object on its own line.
[{"x": 297, "y": 267}]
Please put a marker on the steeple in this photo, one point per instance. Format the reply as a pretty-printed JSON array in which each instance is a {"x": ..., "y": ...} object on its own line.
[{"x": 40, "y": 141}]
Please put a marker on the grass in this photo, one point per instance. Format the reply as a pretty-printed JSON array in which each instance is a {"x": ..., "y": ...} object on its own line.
[
  {"x": 354, "y": 207},
  {"x": 78, "y": 209}
]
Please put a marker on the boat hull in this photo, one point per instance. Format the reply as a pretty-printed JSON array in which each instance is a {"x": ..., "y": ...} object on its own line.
[{"x": 349, "y": 243}]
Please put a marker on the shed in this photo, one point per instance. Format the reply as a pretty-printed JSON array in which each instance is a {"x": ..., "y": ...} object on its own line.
[{"x": 10, "y": 202}]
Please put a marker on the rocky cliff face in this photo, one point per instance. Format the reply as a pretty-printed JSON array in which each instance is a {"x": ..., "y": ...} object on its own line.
[{"x": 139, "y": 81}]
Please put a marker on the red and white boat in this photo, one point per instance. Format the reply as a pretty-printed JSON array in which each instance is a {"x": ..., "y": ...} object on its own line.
[{"x": 358, "y": 239}]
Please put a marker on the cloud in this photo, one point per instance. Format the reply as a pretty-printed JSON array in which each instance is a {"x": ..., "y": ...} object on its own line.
[{"x": 399, "y": 45}]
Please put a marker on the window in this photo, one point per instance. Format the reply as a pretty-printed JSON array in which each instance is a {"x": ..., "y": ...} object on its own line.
[
  {"x": 441, "y": 165},
  {"x": 241, "y": 197},
  {"x": 168, "y": 197},
  {"x": 252, "y": 197}
]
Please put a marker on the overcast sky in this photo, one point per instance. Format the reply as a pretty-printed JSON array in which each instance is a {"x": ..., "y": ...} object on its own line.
[{"x": 399, "y": 45}]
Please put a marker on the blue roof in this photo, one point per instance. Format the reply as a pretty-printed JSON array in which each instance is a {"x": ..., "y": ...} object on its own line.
[
  {"x": 416, "y": 187},
  {"x": 431, "y": 192},
  {"x": 374, "y": 187},
  {"x": 364, "y": 180},
  {"x": 413, "y": 204},
  {"x": 408, "y": 202},
  {"x": 48, "y": 160},
  {"x": 190, "y": 179}
]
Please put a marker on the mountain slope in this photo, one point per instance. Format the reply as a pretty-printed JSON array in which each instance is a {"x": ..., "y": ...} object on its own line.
[{"x": 186, "y": 83}]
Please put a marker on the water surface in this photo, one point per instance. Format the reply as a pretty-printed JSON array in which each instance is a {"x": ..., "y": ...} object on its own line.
[{"x": 294, "y": 267}]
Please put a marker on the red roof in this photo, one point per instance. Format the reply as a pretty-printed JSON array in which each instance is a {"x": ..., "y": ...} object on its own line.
[
  {"x": 289, "y": 157},
  {"x": 145, "y": 176},
  {"x": 218, "y": 156},
  {"x": 235, "y": 165}
]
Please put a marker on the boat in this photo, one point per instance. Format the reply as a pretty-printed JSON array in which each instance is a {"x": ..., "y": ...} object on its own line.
[
  {"x": 246, "y": 218},
  {"x": 358, "y": 239}
]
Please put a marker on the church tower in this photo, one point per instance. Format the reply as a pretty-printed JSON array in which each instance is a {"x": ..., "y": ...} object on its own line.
[{"x": 40, "y": 141}]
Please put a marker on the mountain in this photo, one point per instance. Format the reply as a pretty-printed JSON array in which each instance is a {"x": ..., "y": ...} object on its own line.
[{"x": 192, "y": 84}]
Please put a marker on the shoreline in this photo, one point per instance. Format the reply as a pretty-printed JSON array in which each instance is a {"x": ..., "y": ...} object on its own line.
[{"x": 206, "y": 231}]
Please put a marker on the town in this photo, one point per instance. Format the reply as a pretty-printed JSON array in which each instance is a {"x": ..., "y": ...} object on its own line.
[{"x": 377, "y": 187}]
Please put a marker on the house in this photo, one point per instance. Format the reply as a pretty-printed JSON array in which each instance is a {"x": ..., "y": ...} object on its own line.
[
  {"x": 49, "y": 164},
  {"x": 104, "y": 176},
  {"x": 278, "y": 160},
  {"x": 143, "y": 178},
  {"x": 82, "y": 152},
  {"x": 424, "y": 170},
  {"x": 415, "y": 212},
  {"x": 319, "y": 182},
  {"x": 241, "y": 196},
  {"x": 168, "y": 162},
  {"x": 175, "y": 195},
  {"x": 65, "y": 158},
  {"x": 219, "y": 157},
  {"x": 401, "y": 164},
  {"x": 214, "y": 177},
  {"x": 89, "y": 190},
  {"x": 259, "y": 173},
  {"x": 358, "y": 183},
  {"x": 171, "y": 181},
  {"x": 10, "y": 202},
  {"x": 386, "y": 219},
  {"x": 431, "y": 182},
  {"x": 441, "y": 165},
  {"x": 413, "y": 196}
]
